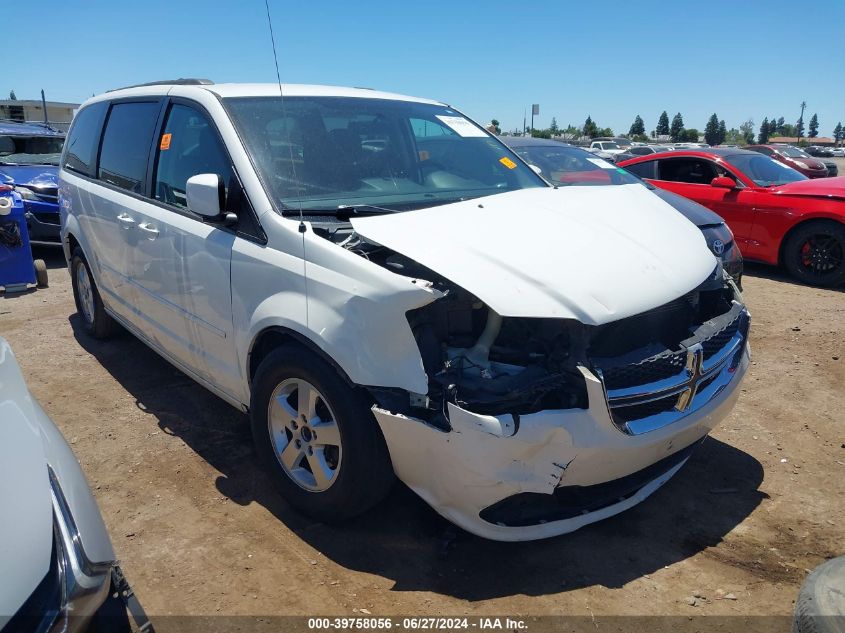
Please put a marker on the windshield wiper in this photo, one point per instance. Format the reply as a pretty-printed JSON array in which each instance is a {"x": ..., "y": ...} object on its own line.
[{"x": 340, "y": 211}]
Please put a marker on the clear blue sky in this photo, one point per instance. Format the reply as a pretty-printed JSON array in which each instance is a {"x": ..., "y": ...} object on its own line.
[{"x": 492, "y": 59}]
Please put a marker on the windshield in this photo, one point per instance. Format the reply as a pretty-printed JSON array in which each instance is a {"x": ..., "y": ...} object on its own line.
[
  {"x": 565, "y": 165},
  {"x": 609, "y": 145},
  {"x": 330, "y": 152},
  {"x": 764, "y": 171},
  {"x": 30, "y": 150},
  {"x": 792, "y": 152}
]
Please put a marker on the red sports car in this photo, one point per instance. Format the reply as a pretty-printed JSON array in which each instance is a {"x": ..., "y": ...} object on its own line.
[
  {"x": 793, "y": 157},
  {"x": 777, "y": 215}
]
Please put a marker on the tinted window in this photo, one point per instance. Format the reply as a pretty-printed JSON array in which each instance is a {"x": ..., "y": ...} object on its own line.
[
  {"x": 764, "y": 171},
  {"x": 188, "y": 146},
  {"x": 696, "y": 171},
  {"x": 565, "y": 165},
  {"x": 643, "y": 170},
  {"x": 84, "y": 137},
  {"x": 641, "y": 151},
  {"x": 126, "y": 144}
]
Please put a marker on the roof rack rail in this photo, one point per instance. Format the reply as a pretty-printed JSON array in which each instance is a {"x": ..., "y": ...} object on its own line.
[{"x": 182, "y": 81}]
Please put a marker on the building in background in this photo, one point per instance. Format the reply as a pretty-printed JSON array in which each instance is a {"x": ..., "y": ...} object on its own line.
[{"x": 59, "y": 114}]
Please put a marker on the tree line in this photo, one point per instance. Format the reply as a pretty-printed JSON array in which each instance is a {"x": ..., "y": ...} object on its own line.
[{"x": 715, "y": 130}]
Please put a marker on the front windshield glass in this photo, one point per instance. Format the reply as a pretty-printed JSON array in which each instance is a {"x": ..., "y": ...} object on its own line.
[
  {"x": 30, "y": 150},
  {"x": 609, "y": 146},
  {"x": 565, "y": 165},
  {"x": 764, "y": 171},
  {"x": 792, "y": 152},
  {"x": 330, "y": 152}
]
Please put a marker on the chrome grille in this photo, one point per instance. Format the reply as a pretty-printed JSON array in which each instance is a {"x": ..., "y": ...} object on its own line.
[{"x": 663, "y": 388}]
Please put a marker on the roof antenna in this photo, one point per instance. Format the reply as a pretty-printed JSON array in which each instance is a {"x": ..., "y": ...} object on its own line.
[{"x": 285, "y": 115}]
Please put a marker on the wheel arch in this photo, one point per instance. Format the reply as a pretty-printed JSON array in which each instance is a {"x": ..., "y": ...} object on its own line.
[
  {"x": 275, "y": 336},
  {"x": 800, "y": 224}
]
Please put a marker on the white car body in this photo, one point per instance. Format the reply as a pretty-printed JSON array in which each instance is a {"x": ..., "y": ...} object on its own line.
[
  {"x": 608, "y": 147},
  {"x": 47, "y": 505},
  {"x": 353, "y": 311},
  {"x": 838, "y": 152}
]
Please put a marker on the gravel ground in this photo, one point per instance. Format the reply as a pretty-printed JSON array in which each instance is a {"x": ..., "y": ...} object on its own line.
[{"x": 200, "y": 531}]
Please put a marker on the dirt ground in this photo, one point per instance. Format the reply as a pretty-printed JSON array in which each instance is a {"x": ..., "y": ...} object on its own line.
[{"x": 199, "y": 530}]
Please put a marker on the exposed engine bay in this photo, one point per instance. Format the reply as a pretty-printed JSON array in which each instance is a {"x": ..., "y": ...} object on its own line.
[{"x": 489, "y": 364}]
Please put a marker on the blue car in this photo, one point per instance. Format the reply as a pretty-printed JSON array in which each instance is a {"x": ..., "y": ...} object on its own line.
[{"x": 29, "y": 161}]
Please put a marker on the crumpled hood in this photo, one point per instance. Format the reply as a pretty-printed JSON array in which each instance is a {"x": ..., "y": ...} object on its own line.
[
  {"x": 31, "y": 175},
  {"x": 26, "y": 526},
  {"x": 819, "y": 187},
  {"x": 596, "y": 254}
]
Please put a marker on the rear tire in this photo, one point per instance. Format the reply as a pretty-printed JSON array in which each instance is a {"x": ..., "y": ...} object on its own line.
[
  {"x": 40, "y": 273},
  {"x": 815, "y": 253},
  {"x": 89, "y": 305},
  {"x": 820, "y": 606},
  {"x": 325, "y": 453}
]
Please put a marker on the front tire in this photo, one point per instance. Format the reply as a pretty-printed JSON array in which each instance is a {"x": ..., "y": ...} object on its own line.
[
  {"x": 815, "y": 253},
  {"x": 316, "y": 437},
  {"x": 89, "y": 305}
]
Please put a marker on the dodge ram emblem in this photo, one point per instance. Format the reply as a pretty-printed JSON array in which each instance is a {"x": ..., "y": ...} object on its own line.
[
  {"x": 718, "y": 247},
  {"x": 695, "y": 359}
]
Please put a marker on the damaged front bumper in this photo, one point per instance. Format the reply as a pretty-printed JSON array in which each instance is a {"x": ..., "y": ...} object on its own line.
[{"x": 543, "y": 474}]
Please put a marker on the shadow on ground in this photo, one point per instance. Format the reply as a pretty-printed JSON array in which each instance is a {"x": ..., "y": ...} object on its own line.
[
  {"x": 404, "y": 540},
  {"x": 776, "y": 273}
]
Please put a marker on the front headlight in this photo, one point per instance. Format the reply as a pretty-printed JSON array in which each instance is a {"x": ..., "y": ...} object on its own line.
[{"x": 25, "y": 193}]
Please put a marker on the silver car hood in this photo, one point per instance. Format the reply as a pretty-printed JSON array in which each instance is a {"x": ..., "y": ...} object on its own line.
[
  {"x": 595, "y": 254},
  {"x": 26, "y": 510}
]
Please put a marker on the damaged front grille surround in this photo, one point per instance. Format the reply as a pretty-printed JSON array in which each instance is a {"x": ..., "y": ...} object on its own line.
[{"x": 666, "y": 387}]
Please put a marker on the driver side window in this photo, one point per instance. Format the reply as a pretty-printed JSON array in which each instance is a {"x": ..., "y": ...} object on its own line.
[
  {"x": 188, "y": 146},
  {"x": 696, "y": 171}
]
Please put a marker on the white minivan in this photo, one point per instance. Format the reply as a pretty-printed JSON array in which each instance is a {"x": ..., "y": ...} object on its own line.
[{"x": 387, "y": 289}]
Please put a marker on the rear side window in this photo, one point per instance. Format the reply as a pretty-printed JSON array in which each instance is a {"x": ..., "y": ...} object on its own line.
[
  {"x": 84, "y": 137},
  {"x": 643, "y": 170},
  {"x": 126, "y": 145}
]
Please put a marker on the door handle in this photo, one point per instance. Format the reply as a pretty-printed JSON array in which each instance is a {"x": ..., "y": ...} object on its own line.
[
  {"x": 126, "y": 220},
  {"x": 149, "y": 229}
]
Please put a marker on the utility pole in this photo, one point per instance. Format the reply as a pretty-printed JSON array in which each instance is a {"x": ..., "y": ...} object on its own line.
[
  {"x": 523, "y": 121},
  {"x": 801, "y": 120}
]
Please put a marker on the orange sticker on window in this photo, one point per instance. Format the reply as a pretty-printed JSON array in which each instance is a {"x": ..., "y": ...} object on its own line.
[
  {"x": 165, "y": 141},
  {"x": 507, "y": 162}
]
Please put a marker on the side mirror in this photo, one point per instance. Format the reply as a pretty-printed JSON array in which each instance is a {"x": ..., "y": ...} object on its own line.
[
  {"x": 723, "y": 182},
  {"x": 206, "y": 197}
]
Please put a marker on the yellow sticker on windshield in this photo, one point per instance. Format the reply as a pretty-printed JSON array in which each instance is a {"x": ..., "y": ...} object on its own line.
[
  {"x": 507, "y": 162},
  {"x": 165, "y": 141}
]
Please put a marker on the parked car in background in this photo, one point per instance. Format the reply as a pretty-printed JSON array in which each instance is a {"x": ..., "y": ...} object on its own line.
[
  {"x": 621, "y": 141},
  {"x": 819, "y": 151},
  {"x": 59, "y": 569},
  {"x": 526, "y": 359},
  {"x": 610, "y": 148},
  {"x": 793, "y": 157},
  {"x": 565, "y": 165},
  {"x": 838, "y": 152},
  {"x": 29, "y": 159},
  {"x": 642, "y": 150},
  {"x": 777, "y": 214},
  {"x": 832, "y": 168}
]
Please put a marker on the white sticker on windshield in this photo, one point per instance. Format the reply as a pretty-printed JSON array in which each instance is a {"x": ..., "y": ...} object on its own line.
[
  {"x": 462, "y": 126},
  {"x": 599, "y": 162}
]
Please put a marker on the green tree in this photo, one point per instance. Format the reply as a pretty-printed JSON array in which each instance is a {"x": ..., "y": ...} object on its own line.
[
  {"x": 677, "y": 127},
  {"x": 662, "y": 128},
  {"x": 711, "y": 130},
  {"x": 733, "y": 136},
  {"x": 541, "y": 133},
  {"x": 799, "y": 127},
  {"x": 590, "y": 128},
  {"x": 605, "y": 131},
  {"x": 571, "y": 132},
  {"x": 780, "y": 127},
  {"x": 553, "y": 128},
  {"x": 747, "y": 131},
  {"x": 12, "y": 95},
  {"x": 789, "y": 130},
  {"x": 637, "y": 127},
  {"x": 814, "y": 126},
  {"x": 763, "y": 136},
  {"x": 773, "y": 127},
  {"x": 838, "y": 134},
  {"x": 495, "y": 124},
  {"x": 723, "y": 132}
]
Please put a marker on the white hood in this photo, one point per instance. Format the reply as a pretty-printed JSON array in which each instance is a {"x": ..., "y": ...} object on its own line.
[{"x": 596, "y": 254}]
